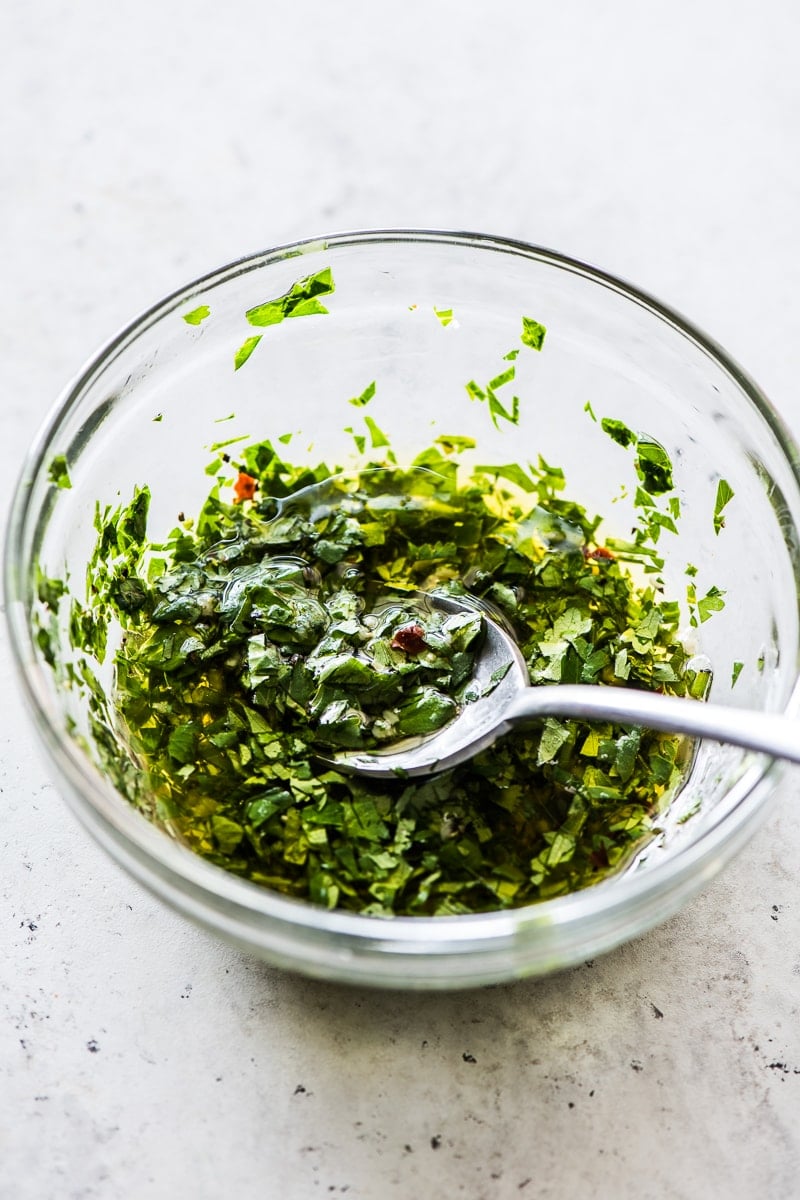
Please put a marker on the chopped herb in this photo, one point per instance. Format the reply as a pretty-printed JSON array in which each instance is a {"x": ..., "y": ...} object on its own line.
[
  {"x": 245, "y": 350},
  {"x": 365, "y": 397},
  {"x": 451, "y": 443},
  {"x": 532, "y": 333},
  {"x": 445, "y": 315},
  {"x": 377, "y": 435},
  {"x": 504, "y": 377},
  {"x": 252, "y": 640},
  {"x": 736, "y": 672},
  {"x": 618, "y": 431},
  {"x": 301, "y": 300},
  {"x": 58, "y": 471},
  {"x": 227, "y": 442},
  {"x": 498, "y": 410},
  {"x": 197, "y": 315},
  {"x": 692, "y": 812},
  {"x": 710, "y": 603},
  {"x": 654, "y": 467},
  {"x": 268, "y": 630},
  {"x": 724, "y": 496}
]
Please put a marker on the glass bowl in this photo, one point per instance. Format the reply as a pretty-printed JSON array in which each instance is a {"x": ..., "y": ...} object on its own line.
[{"x": 423, "y": 313}]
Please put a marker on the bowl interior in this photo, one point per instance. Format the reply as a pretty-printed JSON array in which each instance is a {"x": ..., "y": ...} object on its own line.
[{"x": 421, "y": 316}]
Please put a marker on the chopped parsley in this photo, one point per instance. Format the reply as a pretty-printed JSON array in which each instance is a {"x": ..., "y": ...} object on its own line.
[
  {"x": 364, "y": 398},
  {"x": 197, "y": 315},
  {"x": 532, "y": 333},
  {"x": 259, "y": 636},
  {"x": 58, "y": 471},
  {"x": 301, "y": 300},
  {"x": 265, "y": 632},
  {"x": 724, "y": 496},
  {"x": 245, "y": 350}
]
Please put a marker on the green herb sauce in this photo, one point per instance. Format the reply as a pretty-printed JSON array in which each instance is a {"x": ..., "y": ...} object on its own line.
[
  {"x": 260, "y": 635},
  {"x": 276, "y": 626}
]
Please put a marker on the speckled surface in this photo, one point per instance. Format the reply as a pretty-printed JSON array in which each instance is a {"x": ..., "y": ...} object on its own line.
[{"x": 144, "y": 143}]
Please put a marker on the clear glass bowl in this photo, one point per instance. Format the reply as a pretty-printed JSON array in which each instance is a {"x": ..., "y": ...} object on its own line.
[{"x": 609, "y": 346}]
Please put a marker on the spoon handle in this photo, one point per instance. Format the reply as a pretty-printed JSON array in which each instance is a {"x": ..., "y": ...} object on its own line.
[{"x": 769, "y": 733}]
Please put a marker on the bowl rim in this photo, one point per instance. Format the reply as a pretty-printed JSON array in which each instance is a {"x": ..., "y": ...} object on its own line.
[{"x": 176, "y": 865}]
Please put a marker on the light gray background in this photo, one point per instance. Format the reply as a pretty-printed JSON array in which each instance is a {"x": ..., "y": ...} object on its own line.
[{"x": 143, "y": 143}]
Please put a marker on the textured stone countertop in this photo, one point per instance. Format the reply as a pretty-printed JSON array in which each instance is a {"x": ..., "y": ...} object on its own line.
[{"x": 142, "y": 144}]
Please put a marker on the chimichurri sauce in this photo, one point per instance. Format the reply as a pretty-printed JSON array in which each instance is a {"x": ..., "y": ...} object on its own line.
[{"x": 272, "y": 628}]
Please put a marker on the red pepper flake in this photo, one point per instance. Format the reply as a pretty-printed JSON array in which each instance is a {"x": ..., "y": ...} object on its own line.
[
  {"x": 244, "y": 488},
  {"x": 410, "y": 639},
  {"x": 599, "y": 858},
  {"x": 598, "y": 554}
]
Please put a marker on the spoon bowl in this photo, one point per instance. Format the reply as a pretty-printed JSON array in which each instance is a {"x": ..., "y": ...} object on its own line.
[{"x": 506, "y": 699}]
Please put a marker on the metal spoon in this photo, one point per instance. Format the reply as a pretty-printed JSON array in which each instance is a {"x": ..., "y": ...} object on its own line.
[{"x": 513, "y": 701}]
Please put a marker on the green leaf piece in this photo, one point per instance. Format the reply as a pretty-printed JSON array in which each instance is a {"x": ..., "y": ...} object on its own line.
[
  {"x": 245, "y": 350},
  {"x": 364, "y": 398},
  {"x": 713, "y": 601},
  {"x": 378, "y": 437},
  {"x": 618, "y": 431},
  {"x": 724, "y": 496},
  {"x": 58, "y": 471},
  {"x": 301, "y": 300},
  {"x": 533, "y": 333},
  {"x": 197, "y": 315}
]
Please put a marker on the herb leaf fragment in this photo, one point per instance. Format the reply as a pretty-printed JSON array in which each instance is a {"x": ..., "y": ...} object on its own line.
[
  {"x": 58, "y": 471},
  {"x": 197, "y": 315}
]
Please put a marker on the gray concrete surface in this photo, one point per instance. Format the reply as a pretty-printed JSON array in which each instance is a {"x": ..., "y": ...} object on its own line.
[{"x": 141, "y": 144}]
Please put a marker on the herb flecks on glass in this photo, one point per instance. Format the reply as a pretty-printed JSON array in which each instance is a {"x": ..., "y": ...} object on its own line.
[
  {"x": 301, "y": 300},
  {"x": 264, "y": 631}
]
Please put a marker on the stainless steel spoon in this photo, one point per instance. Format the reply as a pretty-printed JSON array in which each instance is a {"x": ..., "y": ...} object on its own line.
[{"x": 512, "y": 701}]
